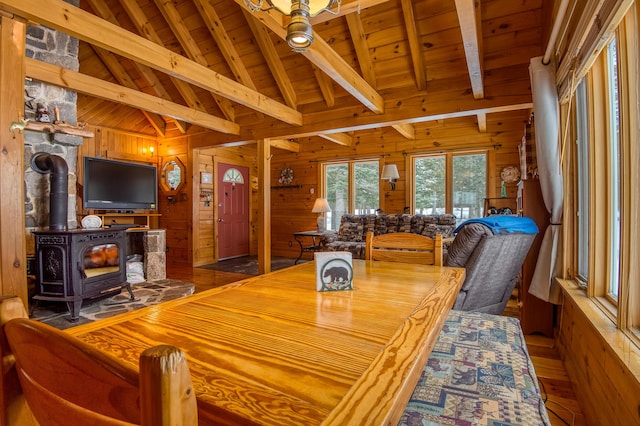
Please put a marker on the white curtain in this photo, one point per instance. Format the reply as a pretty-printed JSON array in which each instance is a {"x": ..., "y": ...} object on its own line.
[{"x": 546, "y": 118}]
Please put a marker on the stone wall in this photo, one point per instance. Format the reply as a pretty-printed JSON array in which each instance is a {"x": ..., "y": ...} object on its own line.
[{"x": 60, "y": 49}]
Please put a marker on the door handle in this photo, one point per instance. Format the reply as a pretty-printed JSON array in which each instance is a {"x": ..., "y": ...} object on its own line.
[{"x": 220, "y": 220}]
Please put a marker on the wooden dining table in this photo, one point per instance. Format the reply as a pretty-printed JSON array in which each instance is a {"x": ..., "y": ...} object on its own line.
[{"x": 272, "y": 350}]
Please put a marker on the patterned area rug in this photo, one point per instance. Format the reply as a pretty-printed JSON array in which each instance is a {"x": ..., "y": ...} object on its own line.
[{"x": 146, "y": 294}]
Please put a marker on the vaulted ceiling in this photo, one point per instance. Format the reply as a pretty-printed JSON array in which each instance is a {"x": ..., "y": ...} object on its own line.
[{"x": 186, "y": 66}]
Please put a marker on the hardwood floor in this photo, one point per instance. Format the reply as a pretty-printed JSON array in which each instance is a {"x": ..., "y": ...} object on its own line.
[{"x": 562, "y": 406}]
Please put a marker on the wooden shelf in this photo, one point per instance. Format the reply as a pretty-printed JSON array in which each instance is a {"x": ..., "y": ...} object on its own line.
[
  {"x": 500, "y": 203},
  {"x": 52, "y": 128},
  {"x": 298, "y": 186},
  {"x": 141, "y": 220}
]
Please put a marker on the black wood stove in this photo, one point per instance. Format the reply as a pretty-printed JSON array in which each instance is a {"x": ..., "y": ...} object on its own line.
[{"x": 79, "y": 264}]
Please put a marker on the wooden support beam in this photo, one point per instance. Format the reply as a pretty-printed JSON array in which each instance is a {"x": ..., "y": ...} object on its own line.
[
  {"x": 338, "y": 138},
  {"x": 405, "y": 129},
  {"x": 329, "y": 61},
  {"x": 414, "y": 44},
  {"x": 102, "y": 89},
  {"x": 13, "y": 258},
  {"x": 482, "y": 122},
  {"x": 78, "y": 23},
  {"x": 261, "y": 33},
  {"x": 263, "y": 157},
  {"x": 190, "y": 46},
  {"x": 123, "y": 78},
  {"x": 470, "y": 26},
  {"x": 359, "y": 39},
  {"x": 136, "y": 14},
  {"x": 285, "y": 144},
  {"x": 326, "y": 86}
]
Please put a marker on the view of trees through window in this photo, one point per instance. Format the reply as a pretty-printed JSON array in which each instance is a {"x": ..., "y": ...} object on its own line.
[
  {"x": 363, "y": 177},
  {"x": 468, "y": 174}
]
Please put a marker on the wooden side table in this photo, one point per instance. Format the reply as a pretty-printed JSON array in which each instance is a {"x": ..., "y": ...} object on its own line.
[{"x": 316, "y": 242}]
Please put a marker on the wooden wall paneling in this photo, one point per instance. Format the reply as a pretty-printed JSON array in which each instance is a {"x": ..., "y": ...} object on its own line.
[
  {"x": 203, "y": 207},
  {"x": 598, "y": 364},
  {"x": 114, "y": 144},
  {"x": 291, "y": 208}
]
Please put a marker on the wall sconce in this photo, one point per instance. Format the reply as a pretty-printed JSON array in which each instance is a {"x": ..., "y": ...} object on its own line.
[
  {"x": 390, "y": 172},
  {"x": 321, "y": 206},
  {"x": 299, "y": 31}
]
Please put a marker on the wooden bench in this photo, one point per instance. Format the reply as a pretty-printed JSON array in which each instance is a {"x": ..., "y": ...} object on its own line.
[{"x": 479, "y": 372}]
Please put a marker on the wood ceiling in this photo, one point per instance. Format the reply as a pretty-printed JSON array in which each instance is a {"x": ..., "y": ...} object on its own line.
[{"x": 167, "y": 68}]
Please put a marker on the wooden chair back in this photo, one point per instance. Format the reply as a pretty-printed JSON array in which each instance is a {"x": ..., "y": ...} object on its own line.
[
  {"x": 67, "y": 382},
  {"x": 404, "y": 247}
]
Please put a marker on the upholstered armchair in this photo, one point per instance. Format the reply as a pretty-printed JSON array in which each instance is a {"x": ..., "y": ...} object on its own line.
[{"x": 492, "y": 250}]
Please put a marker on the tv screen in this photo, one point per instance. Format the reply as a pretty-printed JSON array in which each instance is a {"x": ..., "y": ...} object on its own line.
[{"x": 119, "y": 185}]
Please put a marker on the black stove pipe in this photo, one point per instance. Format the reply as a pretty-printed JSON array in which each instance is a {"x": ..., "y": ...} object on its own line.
[{"x": 56, "y": 166}]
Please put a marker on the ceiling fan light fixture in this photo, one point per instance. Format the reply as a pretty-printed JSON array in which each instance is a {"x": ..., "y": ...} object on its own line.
[{"x": 299, "y": 30}]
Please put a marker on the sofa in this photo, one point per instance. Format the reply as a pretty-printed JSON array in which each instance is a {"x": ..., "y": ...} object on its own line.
[{"x": 351, "y": 236}]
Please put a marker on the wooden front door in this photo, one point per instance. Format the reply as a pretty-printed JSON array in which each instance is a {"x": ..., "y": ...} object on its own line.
[{"x": 233, "y": 211}]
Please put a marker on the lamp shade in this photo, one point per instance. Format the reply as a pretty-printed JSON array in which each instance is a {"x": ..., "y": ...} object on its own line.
[
  {"x": 390, "y": 171},
  {"x": 321, "y": 206},
  {"x": 315, "y": 6}
]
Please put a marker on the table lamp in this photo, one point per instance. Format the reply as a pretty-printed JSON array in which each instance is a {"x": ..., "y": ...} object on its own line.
[{"x": 321, "y": 206}]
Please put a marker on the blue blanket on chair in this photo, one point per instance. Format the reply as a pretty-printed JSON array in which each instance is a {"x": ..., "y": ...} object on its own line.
[{"x": 503, "y": 224}]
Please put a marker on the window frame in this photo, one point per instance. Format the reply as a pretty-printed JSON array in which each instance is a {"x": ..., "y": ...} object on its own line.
[
  {"x": 351, "y": 185},
  {"x": 625, "y": 311},
  {"x": 410, "y": 165}
]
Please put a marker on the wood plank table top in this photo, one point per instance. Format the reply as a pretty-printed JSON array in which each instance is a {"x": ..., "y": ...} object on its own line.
[{"x": 272, "y": 350}]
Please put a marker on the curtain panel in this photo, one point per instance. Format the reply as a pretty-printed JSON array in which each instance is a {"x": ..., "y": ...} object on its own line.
[{"x": 546, "y": 120}]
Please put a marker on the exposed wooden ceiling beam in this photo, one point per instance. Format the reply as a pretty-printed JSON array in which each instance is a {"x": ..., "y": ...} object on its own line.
[
  {"x": 326, "y": 86},
  {"x": 405, "y": 129},
  {"x": 338, "y": 138},
  {"x": 359, "y": 39},
  {"x": 285, "y": 144},
  {"x": 190, "y": 46},
  {"x": 412, "y": 110},
  {"x": 102, "y": 89},
  {"x": 123, "y": 78},
  {"x": 261, "y": 33},
  {"x": 347, "y": 7},
  {"x": 414, "y": 44},
  {"x": 482, "y": 122},
  {"x": 329, "y": 61},
  {"x": 226, "y": 46},
  {"x": 137, "y": 16},
  {"x": 78, "y": 23},
  {"x": 470, "y": 26}
]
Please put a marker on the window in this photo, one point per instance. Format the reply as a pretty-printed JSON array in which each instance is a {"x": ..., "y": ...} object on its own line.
[
  {"x": 351, "y": 187},
  {"x": 582, "y": 182},
  {"x": 604, "y": 168},
  {"x": 450, "y": 183},
  {"x": 613, "y": 122}
]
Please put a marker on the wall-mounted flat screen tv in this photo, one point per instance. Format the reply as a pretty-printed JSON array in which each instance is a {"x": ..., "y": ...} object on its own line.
[{"x": 119, "y": 185}]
